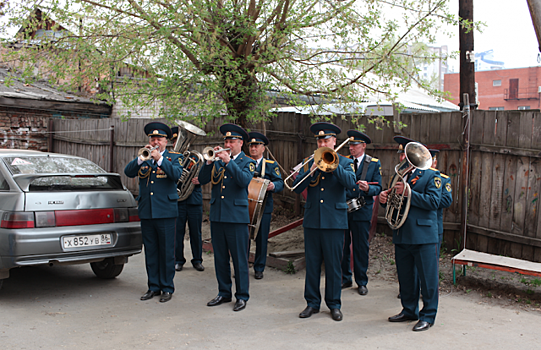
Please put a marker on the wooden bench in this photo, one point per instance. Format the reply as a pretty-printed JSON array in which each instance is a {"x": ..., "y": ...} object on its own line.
[{"x": 495, "y": 262}]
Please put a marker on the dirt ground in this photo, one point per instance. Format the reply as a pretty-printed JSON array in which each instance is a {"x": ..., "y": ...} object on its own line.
[{"x": 501, "y": 288}]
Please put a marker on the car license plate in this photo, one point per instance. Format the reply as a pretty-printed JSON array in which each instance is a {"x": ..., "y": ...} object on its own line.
[{"x": 71, "y": 242}]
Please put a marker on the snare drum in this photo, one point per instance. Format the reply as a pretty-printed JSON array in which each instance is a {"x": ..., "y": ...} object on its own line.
[
  {"x": 355, "y": 204},
  {"x": 257, "y": 198}
]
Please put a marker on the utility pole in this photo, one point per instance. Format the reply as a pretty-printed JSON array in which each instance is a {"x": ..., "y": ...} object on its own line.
[
  {"x": 535, "y": 13},
  {"x": 467, "y": 55}
]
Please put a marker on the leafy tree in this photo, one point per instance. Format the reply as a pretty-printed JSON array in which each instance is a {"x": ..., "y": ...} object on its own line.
[{"x": 210, "y": 57}]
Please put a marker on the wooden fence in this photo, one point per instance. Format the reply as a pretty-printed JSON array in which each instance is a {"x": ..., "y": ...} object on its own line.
[{"x": 504, "y": 171}]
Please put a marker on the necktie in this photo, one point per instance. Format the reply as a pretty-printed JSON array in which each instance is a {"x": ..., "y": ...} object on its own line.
[{"x": 356, "y": 164}]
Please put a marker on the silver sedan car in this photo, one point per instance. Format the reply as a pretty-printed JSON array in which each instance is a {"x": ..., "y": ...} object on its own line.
[{"x": 60, "y": 209}]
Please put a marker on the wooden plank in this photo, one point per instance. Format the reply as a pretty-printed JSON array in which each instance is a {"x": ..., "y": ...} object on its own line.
[
  {"x": 525, "y": 132},
  {"x": 489, "y": 126},
  {"x": 424, "y": 131},
  {"x": 536, "y": 130},
  {"x": 496, "y": 198},
  {"x": 477, "y": 126},
  {"x": 519, "y": 210},
  {"x": 532, "y": 199},
  {"x": 475, "y": 187},
  {"x": 508, "y": 193},
  {"x": 500, "y": 134},
  {"x": 504, "y": 236},
  {"x": 513, "y": 129},
  {"x": 485, "y": 199},
  {"x": 435, "y": 125}
]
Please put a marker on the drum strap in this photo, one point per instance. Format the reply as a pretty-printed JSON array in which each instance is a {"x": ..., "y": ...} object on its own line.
[{"x": 367, "y": 160}]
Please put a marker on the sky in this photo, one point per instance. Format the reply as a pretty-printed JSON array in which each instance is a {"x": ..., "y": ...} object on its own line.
[{"x": 509, "y": 31}]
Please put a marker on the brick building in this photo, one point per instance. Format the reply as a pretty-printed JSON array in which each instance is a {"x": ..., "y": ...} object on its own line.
[
  {"x": 502, "y": 89},
  {"x": 26, "y": 109}
]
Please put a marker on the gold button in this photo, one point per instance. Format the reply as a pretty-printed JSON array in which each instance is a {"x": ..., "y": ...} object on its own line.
[
  {"x": 153, "y": 171},
  {"x": 223, "y": 186},
  {"x": 354, "y": 189},
  {"x": 321, "y": 201},
  {"x": 322, "y": 189},
  {"x": 151, "y": 182},
  {"x": 225, "y": 177},
  {"x": 222, "y": 197},
  {"x": 151, "y": 193},
  {"x": 323, "y": 178}
]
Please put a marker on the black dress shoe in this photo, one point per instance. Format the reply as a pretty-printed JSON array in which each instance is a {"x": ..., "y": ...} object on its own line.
[
  {"x": 218, "y": 300},
  {"x": 401, "y": 318},
  {"x": 309, "y": 311},
  {"x": 336, "y": 314},
  {"x": 363, "y": 290},
  {"x": 150, "y": 294},
  {"x": 198, "y": 267},
  {"x": 166, "y": 296},
  {"x": 258, "y": 275},
  {"x": 421, "y": 326},
  {"x": 347, "y": 284},
  {"x": 239, "y": 305},
  {"x": 178, "y": 267}
]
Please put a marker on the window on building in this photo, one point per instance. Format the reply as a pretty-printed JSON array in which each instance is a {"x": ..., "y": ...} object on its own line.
[
  {"x": 495, "y": 108},
  {"x": 496, "y": 83},
  {"x": 523, "y": 107}
]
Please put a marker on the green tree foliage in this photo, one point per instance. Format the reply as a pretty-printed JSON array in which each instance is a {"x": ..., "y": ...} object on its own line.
[{"x": 211, "y": 57}]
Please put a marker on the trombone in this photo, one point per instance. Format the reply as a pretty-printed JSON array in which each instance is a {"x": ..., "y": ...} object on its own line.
[
  {"x": 325, "y": 158},
  {"x": 210, "y": 154}
]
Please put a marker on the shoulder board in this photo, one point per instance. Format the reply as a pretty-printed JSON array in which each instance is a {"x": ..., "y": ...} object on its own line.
[
  {"x": 375, "y": 159},
  {"x": 269, "y": 161},
  {"x": 172, "y": 152},
  {"x": 433, "y": 169},
  {"x": 443, "y": 175}
]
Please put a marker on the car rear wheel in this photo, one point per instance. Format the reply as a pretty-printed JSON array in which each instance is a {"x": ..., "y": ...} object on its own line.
[{"x": 106, "y": 269}]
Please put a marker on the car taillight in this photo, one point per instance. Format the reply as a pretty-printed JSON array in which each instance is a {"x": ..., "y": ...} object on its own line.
[
  {"x": 84, "y": 217},
  {"x": 133, "y": 214},
  {"x": 121, "y": 215},
  {"x": 45, "y": 219},
  {"x": 17, "y": 220}
]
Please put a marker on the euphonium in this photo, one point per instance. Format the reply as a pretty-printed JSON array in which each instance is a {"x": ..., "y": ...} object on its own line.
[
  {"x": 398, "y": 205},
  {"x": 193, "y": 160}
]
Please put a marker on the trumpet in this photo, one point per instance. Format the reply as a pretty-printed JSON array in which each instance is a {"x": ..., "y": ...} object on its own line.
[
  {"x": 326, "y": 160},
  {"x": 144, "y": 152},
  {"x": 210, "y": 154}
]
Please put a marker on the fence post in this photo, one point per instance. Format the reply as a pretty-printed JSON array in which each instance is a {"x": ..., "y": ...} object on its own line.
[
  {"x": 50, "y": 146},
  {"x": 465, "y": 176},
  {"x": 111, "y": 148}
]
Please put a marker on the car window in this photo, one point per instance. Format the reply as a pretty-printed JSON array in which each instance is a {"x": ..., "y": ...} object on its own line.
[
  {"x": 61, "y": 165},
  {"x": 50, "y": 165},
  {"x": 4, "y": 186}
]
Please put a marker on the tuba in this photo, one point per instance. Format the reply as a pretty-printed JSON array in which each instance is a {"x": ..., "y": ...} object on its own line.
[
  {"x": 398, "y": 205},
  {"x": 193, "y": 160}
]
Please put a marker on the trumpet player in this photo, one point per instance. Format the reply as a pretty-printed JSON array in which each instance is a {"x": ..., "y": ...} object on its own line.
[
  {"x": 230, "y": 176},
  {"x": 325, "y": 219},
  {"x": 416, "y": 244},
  {"x": 368, "y": 177},
  {"x": 157, "y": 206},
  {"x": 190, "y": 211}
]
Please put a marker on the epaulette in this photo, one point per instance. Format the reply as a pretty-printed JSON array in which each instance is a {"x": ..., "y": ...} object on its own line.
[
  {"x": 173, "y": 152},
  {"x": 269, "y": 161},
  {"x": 375, "y": 159},
  {"x": 433, "y": 169},
  {"x": 443, "y": 175}
]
